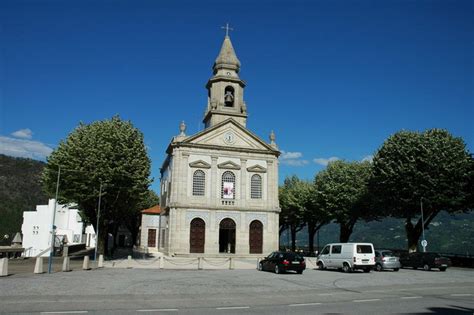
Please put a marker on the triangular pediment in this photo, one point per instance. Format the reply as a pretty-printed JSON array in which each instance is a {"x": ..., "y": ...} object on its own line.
[
  {"x": 200, "y": 164},
  {"x": 257, "y": 169},
  {"x": 229, "y": 165},
  {"x": 229, "y": 134}
]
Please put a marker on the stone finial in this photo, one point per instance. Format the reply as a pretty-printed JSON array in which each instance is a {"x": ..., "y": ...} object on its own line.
[
  {"x": 182, "y": 129},
  {"x": 272, "y": 139}
]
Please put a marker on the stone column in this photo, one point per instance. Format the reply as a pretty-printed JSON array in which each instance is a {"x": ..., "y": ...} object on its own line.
[
  {"x": 183, "y": 177},
  {"x": 243, "y": 182},
  {"x": 215, "y": 199}
]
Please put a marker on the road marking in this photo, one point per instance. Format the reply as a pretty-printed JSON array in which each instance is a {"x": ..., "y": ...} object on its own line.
[
  {"x": 233, "y": 308},
  {"x": 361, "y": 301},
  {"x": 462, "y": 294},
  {"x": 411, "y": 297},
  {"x": 160, "y": 310},
  {"x": 306, "y": 304},
  {"x": 66, "y": 312}
]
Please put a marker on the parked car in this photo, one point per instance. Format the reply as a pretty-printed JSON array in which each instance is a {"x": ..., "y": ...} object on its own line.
[
  {"x": 386, "y": 259},
  {"x": 347, "y": 256},
  {"x": 425, "y": 261},
  {"x": 280, "y": 262}
]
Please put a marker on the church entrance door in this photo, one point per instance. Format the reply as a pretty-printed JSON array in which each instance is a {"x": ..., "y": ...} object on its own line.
[
  {"x": 197, "y": 236},
  {"x": 256, "y": 237},
  {"x": 227, "y": 236}
]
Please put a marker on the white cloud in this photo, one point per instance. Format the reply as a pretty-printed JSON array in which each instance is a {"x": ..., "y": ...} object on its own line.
[
  {"x": 24, "y": 148},
  {"x": 368, "y": 158},
  {"x": 292, "y": 159},
  {"x": 23, "y": 134},
  {"x": 325, "y": 162},
  {"x": 290, "y": 155}
]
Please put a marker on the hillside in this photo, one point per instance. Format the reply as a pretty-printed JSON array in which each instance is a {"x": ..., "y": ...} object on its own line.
[
  {"x": 20, "y": 190},
  {"x": 446, "y": 234}
]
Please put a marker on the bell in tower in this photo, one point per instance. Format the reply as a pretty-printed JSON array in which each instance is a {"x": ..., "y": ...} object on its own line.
[{"x": 229, "y": 96}]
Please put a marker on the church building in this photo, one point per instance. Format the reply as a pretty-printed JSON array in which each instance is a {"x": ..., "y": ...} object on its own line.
[{"x": 219, "y": 187}]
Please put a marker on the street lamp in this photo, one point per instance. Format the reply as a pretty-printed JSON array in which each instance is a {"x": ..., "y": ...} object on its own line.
[{"x": 423, "y": 241}]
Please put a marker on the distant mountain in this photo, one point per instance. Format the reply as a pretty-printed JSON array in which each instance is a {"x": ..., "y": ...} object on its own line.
[
  {"x": 446, "y": 234},
  {"x": 20, "y": 190}
]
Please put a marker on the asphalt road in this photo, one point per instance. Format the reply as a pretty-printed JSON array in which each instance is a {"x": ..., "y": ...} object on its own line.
[{"x": 141, "y": 291}]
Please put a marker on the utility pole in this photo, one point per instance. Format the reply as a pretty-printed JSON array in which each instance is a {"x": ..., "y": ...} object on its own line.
[
  {"x": 53, "y": 228},
  {"x": 423, "y": 241},
  {"x": 98, "y": 216}
]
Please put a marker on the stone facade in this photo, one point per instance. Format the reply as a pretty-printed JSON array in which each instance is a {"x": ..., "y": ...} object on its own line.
[{"x": 219, "y": 187}]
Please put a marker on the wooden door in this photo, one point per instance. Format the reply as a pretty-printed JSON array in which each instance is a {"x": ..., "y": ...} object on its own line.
[
  {"x": 197, "y": 236},
  {"x": 151, "y": 237},
  {"x": 256, "y": 237}
]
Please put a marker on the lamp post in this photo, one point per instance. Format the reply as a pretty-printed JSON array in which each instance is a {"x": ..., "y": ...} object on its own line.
[
  {"x": 53, "y": 228},
  {"x": 98, "y": 216},
  {"x": 423, "y": 241}
]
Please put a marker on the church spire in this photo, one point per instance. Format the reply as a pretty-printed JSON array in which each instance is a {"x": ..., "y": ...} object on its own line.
[{"x": 227, "y": 58}]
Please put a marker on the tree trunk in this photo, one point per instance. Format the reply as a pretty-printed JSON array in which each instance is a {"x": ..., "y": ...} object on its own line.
[
  {"x": 346, "y": 231},
  {"x": 102, "y": 240},
  {"x": 413, "y": 234}
]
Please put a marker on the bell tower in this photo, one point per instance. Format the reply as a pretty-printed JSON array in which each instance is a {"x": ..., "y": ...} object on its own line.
[{"x": 225, "y": 88}]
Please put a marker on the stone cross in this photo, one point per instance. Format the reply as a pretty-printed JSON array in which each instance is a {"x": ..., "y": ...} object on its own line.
[{"x": 227, "y": 28}]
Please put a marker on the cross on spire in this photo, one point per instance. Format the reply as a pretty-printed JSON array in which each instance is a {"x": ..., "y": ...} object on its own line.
[{"x": 227, "y": 29}]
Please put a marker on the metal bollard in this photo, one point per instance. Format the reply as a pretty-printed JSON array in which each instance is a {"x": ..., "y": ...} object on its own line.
[
  {"x": 3, "y": 267},
  {"x": 129, "y": 262},
  {"x": 66, "y": 267},
  {"x": 85, "y": 264},
  {"x": 231, "y": 263},
  {"x": 39, "y": 265},
  {"x": 162, "y": 262},
  {"x": 199, "y": 263},
  {"x": 101, "y": 261},
  {"x": 258, "y": 263}
]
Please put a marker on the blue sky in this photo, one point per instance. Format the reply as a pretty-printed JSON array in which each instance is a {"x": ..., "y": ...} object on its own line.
[{"x": 333, "y": 79}]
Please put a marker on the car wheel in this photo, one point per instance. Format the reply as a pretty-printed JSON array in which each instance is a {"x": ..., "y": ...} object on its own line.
[
  {"x": 378, "y": 267},
  {"x": 277, "y": 269},
  {"x": 346, "y": 268},
  {"x": 320, "y": 266},
  {"x": 442, "y": 269},
  {"x": 260, "y": 267},
  {"x": 299, "y": 272},
  {"x": 395, "y": 269},
  {"x": 426, "y": 267},
  {"x": 367, "y": 270}
]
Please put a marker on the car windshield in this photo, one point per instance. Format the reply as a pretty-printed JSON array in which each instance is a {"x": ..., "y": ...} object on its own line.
[{"x": 387, "y": 254}]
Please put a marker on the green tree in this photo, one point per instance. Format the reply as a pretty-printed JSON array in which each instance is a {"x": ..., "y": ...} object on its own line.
[
  {"x": 315, "y": 216},
  {"x": 109, "y": 153},
  {"x": 294, "y": 196},
  {"x": 342, "y": 190},
  {"x": 432, "y": 165}
]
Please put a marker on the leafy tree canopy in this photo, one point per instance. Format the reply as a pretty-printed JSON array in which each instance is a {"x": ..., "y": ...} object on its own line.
[
  {"x": 432, "y": 165},
  {"x": 341, "y": 189},
  {"x": 110, "y": 153}
]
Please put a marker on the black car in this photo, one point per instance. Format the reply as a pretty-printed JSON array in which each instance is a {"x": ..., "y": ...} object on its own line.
[
  {"x": 425, "y": 261},
  {"x": 281, "y": 262}
]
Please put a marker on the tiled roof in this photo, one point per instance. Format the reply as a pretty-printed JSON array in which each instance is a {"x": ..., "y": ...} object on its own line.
[{"x": 153, "y": 210}]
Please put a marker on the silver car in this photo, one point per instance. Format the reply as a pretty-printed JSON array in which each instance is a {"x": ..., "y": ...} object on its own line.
[{"x": 386, "y": 259}]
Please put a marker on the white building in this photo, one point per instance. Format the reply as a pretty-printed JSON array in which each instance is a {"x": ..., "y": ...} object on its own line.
[
  {"x": 36, "y": 228},
  {"x": 153, "y": 229},
  {"x": 219, "y": 187}
]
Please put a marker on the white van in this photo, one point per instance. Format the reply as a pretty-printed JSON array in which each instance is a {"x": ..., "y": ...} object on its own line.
[{"x": 347, "y": 256}]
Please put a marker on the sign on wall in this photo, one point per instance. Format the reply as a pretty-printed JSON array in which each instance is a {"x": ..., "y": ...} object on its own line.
[{"x": 228, "y": 190}]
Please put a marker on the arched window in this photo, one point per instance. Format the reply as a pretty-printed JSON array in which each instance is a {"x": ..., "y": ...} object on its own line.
[
  {"x": 228, "y": 185},
  {"x": 256, "y": 187},
  {"x": 199, "y": 183}
]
